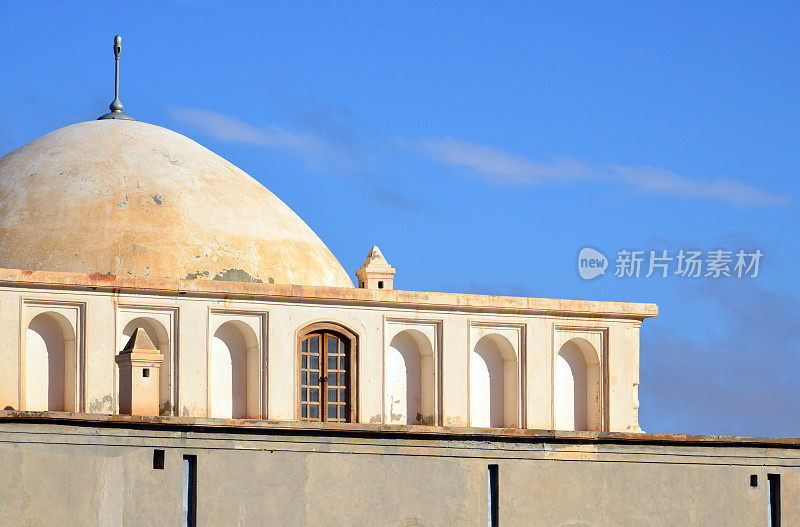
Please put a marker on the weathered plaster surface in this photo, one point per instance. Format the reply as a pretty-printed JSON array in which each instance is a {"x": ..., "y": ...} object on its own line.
[
  {"x": 133, "y": 199},
  {"x": 452, "y": 301},
  {"x": 263, "y": 473},
  {"x": 184, "y": 317}
]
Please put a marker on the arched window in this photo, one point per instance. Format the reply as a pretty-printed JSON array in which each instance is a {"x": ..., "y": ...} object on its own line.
[
  {"x": 577, "y": 387},
  {"x": 234, "y": 372},
  {"x": 159, "y": 336},
  {"x": 409, "y": 379},
  {"x": 493, "y": 383},
  {"x": 51, "y": 374},
  {"x": 326, "y": 368}
]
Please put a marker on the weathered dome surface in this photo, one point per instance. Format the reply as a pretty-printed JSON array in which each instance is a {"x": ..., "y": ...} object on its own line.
[{"x": 133, "y": 199}]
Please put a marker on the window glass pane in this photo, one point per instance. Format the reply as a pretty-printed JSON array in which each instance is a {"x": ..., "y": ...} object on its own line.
[
  {"x": 332, "y": 412},
  {"x": 314, "y": 362},
  {"x": 313, "y": 411},
  {"x": 304, "y": 378},
  {"x": 304, "y": 410},
  {"x": 333, "y": 395},
  {"x": 333, "y": 344},
  {"x": 313, "y": 344},
  {"x": 342, "y": 414},
  {"x": 314, "y": 379},
  {"x": 304, "y": 346},
  {"x": 342, "y": 347},
  {"x": 332, "y": 362},
  {"x": 304, "y": 361},
  {"x": 314, "y": 394},
  {"x": 304, "y": 394}
]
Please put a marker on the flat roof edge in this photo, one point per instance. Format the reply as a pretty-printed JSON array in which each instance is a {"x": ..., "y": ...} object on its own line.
[
  {"x": 250, "y": 426},
  {"x": 341, "y": 295}
]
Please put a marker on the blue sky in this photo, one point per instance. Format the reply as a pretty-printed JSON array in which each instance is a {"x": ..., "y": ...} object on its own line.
[{"x": 482, "y": 146}]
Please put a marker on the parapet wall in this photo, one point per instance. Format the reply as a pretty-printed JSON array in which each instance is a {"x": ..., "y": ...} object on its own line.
[
  {"x": 476, "y": 360},
  {"x": 68, "y": 469}
]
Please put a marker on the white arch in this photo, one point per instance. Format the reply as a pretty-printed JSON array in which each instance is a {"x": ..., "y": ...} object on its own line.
[
  {"x": 493, "y": 386},
  {"x": 577, "y": 387},
  {"x": 51, "y": 367},
  {"x": 159, "y": 336},
  {"x": 234, "y": 372},
  {"x": 409, "y": 379}
]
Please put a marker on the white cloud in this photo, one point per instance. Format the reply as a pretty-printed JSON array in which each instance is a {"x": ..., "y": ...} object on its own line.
[
  {"x": 492, "y": 164},
  {"x": 660, "y": 181},
  {"x": 504, "y": 168},
  {"x": 499, "y": 166},
  {"x": 235, "y": 130},
  {"x": 737, "y": 380},
  {"x": 332, "y": 148}
]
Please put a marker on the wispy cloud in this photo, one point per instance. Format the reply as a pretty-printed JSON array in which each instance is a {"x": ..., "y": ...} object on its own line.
[
  {"x": 503, "y": 168},
  {"x": 333, "y": 146},
  {"x": 498, "y": 166},
  {"x": 661, "y": 181},
  {"x": 330, "y": 146},
  {"x": 234, "y": 130},
  {"x": 738, "y": 383}
]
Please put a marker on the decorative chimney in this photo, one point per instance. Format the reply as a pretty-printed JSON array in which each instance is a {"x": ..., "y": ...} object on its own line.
[
  {"x": 139, "y": 364},
  {"x": 376, "y": 273}
]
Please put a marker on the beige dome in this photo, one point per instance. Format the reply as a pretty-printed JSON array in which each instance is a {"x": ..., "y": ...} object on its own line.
[{"x": 133, "y": 199}]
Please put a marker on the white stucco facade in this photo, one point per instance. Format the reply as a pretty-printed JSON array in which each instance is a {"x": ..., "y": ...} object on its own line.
[{"x": 230, "y": 351}]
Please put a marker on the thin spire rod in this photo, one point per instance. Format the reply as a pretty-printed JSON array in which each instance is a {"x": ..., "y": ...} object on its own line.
[
  {"x": 116, "y": 104},
  {"x": 117, "y": 49}
]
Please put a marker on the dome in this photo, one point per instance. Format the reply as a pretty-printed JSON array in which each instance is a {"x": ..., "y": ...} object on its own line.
[{"x": 132, "y": 199}]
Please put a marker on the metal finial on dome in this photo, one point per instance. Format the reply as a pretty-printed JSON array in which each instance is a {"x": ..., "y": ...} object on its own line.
[{"x": 116, "y": 105}]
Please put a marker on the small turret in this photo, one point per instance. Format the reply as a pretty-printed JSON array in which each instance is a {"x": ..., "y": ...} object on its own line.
[
  {"x": 139, "y": 364},
  {"x": 376, "y": 273}
]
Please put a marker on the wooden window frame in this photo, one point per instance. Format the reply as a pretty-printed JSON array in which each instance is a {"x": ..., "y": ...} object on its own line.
[{"x": 353, "y": 373}]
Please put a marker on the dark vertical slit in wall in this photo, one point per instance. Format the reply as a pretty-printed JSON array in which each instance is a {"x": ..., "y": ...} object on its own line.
[
  {"x": 774, "y": 484},
  {"x": 189, "y": 491},
  {"x": 494, "y": 495},
  {"x": 158, "y": 459}
]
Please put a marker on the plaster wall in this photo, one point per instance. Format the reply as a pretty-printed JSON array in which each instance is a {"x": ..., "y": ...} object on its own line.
[
  {"x": 487, "y": 386},
  {"x": 368, "y": 475},
  {"x": 439, "y": 340},
  {"x": 403, "y": 384},
  {"x": 44, "y": 360}
]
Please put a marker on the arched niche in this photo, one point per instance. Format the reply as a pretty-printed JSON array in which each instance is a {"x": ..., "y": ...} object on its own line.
[
  {"x": 493, "y": 385},
  {"x": 409, "y": 383},
  {"x": 234, "y": 385},
  {"x": 577, "y": 387},
  {"x": 159, "y": 336},
  {"x": 51, "y": 364}
]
